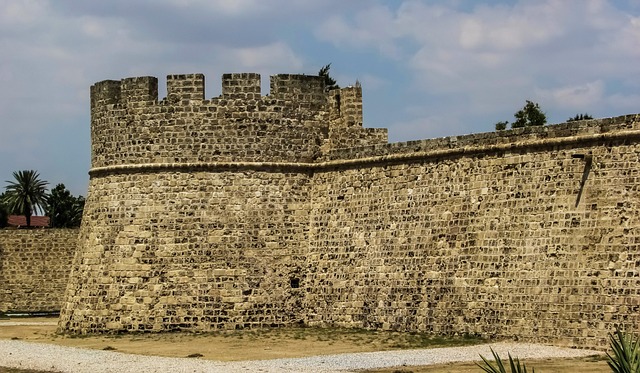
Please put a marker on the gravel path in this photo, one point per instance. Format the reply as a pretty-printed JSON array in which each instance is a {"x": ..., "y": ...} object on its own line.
[{"x": 42, "y": 356}]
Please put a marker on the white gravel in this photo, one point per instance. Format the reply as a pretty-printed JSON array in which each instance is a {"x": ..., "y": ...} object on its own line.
[{"x": 20, "y": 354}]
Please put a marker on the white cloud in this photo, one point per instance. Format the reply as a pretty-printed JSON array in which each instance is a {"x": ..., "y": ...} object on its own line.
[
  {"x": 626, "y": 103},
  {"x": 580, "y": 97},
  {"x": 627, "y": 40},
  {"x": 471, "y": 34},
  {"x": 372, "y": 82},
  {"x": 433, "y": 67},
  {"x": 496, "y": 52},
  {"x": 21, "y": 13},
  {"x": 372, "y": 26},
  {"x": 267, "y": 57}
]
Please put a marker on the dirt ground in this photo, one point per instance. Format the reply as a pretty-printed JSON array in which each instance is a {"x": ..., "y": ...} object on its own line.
[
  {"x": 270, "y": 344},
  {"x": 582, "y": 365}
]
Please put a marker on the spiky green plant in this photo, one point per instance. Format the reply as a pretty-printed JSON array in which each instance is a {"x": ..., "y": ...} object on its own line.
[
  {"x": 626, "y": 353},
  {"x": 514, "y": 365}
]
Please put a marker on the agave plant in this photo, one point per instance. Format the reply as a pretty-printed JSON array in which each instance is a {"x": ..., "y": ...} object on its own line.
[
  {"x": 626, "y": 353},
  {"x": 514, "y": 365}
]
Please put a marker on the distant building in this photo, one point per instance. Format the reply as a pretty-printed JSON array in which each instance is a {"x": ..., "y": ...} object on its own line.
[{"x": 19, "y": 221}]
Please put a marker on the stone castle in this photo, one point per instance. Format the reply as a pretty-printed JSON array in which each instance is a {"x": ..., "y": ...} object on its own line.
[{"x": 248, "y": 211}]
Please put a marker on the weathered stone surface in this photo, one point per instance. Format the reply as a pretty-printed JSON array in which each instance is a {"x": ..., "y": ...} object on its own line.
[
  {"x": 248, "y": 211},
  {"x": 34, "y": 268},
  {"x": 499, "y": 244}
]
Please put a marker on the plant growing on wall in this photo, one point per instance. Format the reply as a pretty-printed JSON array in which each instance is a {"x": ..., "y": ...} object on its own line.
[
  {"x": 329, "y": 82},
  {"x": 577, "y": 117},
  {"x": 26, "y": 194},
  {"x": 501, "y": 126},
  {"x": 529, "y": 115}
]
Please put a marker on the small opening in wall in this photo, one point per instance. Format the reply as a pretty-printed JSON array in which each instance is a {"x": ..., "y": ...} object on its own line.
[
  {"x": 295, "y": 283},
  {"x": 341, "y": 197}
]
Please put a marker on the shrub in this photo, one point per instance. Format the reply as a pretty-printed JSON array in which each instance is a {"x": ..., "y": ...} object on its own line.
[
  {"x": 514, "y": 365},
  {"x": 626, "y": 353},
  {"x": 577, "y": 117},
  {"x": 625, "y": 358},
  {"x": 501, "y": 126}
]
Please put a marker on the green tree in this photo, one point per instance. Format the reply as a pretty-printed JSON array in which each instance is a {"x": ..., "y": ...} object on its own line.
[
  {"x": 584, "y": 116},
  {"x": 329, "y": 82},
  {"x": 529, "y": 115},
  {"x": 4, "y": 212},
  {"x": 26, "y": 194},
  {"x": 63, "y": 209},
  {"x": 501, "y": 126}
]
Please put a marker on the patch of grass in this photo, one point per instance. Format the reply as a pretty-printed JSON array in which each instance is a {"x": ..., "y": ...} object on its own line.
[
  {"x": 384, "y": 340},
  {"x": 16, "y": 370},
  {"x": 595, "y": 358}
]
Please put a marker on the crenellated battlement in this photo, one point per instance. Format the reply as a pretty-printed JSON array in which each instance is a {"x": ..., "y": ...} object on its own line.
[
  {"x": 241, "y": 85},
  {"x": 248, "y": 210},
  {"x": 298, "y": 121},
  {"x": 189, "y": 89}
]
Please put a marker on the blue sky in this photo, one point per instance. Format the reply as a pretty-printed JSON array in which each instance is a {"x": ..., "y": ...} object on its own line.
[{"x": 428, "y": 68}]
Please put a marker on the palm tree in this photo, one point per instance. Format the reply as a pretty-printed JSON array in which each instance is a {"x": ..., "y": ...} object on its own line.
[{"x": 26, "y": 194}]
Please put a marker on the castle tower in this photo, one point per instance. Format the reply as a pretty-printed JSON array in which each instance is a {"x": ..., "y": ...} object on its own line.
[{"x": 197, "y": 216}]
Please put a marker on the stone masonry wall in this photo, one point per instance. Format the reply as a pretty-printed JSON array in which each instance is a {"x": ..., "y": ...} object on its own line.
[
  {"x": 196, "y": 216},
  {"x": 34, "y": 268},
  {"x": 252, "y": 211},
  {"x": 291, "y": 124},
  {"x": 189, "y": 250},
  {"x": 533, "y": 234}
]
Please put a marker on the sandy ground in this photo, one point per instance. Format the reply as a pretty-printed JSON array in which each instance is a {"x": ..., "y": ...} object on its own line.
[
  {"x": 222, "y": 346},
  {"x": 596, "y": 364},
  {"x": 263, "y": 344}
]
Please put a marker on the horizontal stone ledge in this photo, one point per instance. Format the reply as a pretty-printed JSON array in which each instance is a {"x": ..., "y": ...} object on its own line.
[
  {"x": 203, "y": 166},
  {"x": 381, "y": 159}
]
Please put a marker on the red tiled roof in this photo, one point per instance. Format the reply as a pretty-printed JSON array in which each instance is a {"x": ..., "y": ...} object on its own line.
[{"x": 21, "y": 221}]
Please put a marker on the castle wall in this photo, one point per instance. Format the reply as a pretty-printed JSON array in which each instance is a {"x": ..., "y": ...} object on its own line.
[
  {"x": 186, "y": 128},
  {"x": 189, "y": 250},
  {"x": 34, "y": 268},
  {"x": 196, "y": 216},
  {"x": 250, "y": 211},
  {"x": 291, "y": 124},
  {"x": 533, "y": 234}
]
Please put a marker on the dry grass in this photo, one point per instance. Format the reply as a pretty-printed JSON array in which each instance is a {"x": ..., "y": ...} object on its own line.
[{"x": 238, "y": 345}]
